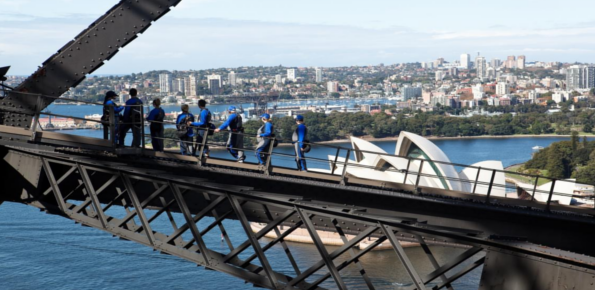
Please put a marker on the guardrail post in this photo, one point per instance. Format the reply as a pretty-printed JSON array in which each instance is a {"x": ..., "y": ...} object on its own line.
[
  {"x": 142, "y": 126},
  {"x": 490, "y": 187},
  {"x": 407, "y": 171},
  {"x": 35, "y": 118},
  {"x": 549, "y": 198},
  {"x": 421, "y": 167},
  {"x": 335, "y": 162},
  {"x": 268, "y": 167},
  {"x": 534, "y": 188},
  {"x": 343, "y": 179},
  {"x": 476, "y": 179},
  {"x": 112, "y": 126},
  {"x": 202, "y": 146}
]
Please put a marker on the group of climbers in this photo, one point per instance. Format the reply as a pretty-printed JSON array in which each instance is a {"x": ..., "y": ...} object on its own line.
[{"x": 191, "y": 132}]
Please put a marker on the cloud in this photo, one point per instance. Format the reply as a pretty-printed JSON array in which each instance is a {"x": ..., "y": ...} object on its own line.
[
  {"x": 570, "y": 31},
  {"x": 181, "y": 44}
]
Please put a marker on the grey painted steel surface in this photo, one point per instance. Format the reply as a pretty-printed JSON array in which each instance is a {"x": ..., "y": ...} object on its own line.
[
  {"x": 63, "y": 181},
  {"x": 87, "y": 52}
]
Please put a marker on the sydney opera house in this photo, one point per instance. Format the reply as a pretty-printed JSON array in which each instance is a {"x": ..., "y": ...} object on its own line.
[{"x": 437, "y": 171}]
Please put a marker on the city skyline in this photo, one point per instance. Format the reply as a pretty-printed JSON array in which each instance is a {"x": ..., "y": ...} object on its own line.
[{"x": 203, "y": 34}]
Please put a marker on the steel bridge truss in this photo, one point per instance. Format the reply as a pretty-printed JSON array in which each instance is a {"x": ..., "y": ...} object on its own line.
[{"x": 86, "y": 194}]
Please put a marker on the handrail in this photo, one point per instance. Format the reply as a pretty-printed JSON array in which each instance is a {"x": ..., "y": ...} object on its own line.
[{"x": 334, "y": 163}]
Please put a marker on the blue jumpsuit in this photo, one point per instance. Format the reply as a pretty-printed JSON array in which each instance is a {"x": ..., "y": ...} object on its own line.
[
  {"x": 186, "y": 140},
  {"x": 131, "y": 104},
  {"x": 203, "y": 123},
  {"x": 299, "y": 136},
  {"x": 263, "y": 137},
  {"x": 117, "y": 110},
  {"x": 156, "y": 128},
  {"x": 235, "y": 141}
]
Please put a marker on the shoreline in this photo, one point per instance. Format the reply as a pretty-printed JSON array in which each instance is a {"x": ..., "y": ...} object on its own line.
[{"x": 395, "y": 138}]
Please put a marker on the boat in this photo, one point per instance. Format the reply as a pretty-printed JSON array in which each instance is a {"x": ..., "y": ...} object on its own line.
[{"x": 537, "y": 148}]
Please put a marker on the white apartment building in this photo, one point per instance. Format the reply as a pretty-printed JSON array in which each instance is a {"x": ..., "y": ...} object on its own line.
[
  {"x": 502, "y": 88},
  {"x": 165, "y": 83},
  {"x": 465, "y": 61},
  {"x": 291, "y": 74},
  {"x": 318, "y": 75}
]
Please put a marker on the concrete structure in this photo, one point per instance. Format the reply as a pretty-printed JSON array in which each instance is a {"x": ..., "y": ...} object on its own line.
[
  {"x": 435, "y": 100},
  {"x": 510, "y": 62},
  {"x": 481, "y": 67},
  {"x": 318, "y": 75},
  {"x": 533, "y": 96},
  {"x": 478, "y": 92},
  {"x": 580, "y": 77},
  {"x": 232, "y": 78},
  {"x": 465, "y": 61},
  {"x": 410, "y": 93},
  {"x": 520, "y": 62},
  {"x": 278, "y": 79},
  {"x": 495, "y": 62},
  {"x": 502, "y": 88},
  {"x": 191, "y": 86},
  {"x": 560, "y": 97},
  {"x": 439, "y": 75},
  {"x": 332, "y": 87},
  {"x": 178, "y": 86},
  {"x": 376, "y": 164},
  {"x": 214, "y": 82},
  {"x": 165, "y": 83},
  {"x": 291, "y": 76}
]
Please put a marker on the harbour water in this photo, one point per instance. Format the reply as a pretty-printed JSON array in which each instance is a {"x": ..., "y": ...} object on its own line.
[{"x": 40, "y": 251}]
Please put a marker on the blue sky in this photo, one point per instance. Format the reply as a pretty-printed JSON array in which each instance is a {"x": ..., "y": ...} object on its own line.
[{"x": 200, "y": 34}]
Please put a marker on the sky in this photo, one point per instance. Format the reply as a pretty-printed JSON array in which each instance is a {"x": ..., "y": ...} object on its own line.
[{"x": 203, "y": 34}]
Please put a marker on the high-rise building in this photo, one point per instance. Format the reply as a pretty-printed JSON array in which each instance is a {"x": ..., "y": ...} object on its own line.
[
  {"x": 439, "y": 75},
  {"x": 190, "y": 86},
  {"x": 439, "y": 100},
  {"x": 465, "y": 61},
  {"x": 278, "y": 79},
  {"x": 318, "y": 75},
  {"x": 496, "y": 62},
  {"x": 520, "y": 62},
  {"x": 232, "y": 78},
  {"x": 332, "y": 87},
  {"x": 178, "y": 86},
  {"x": 408, "y": 93},
  {"x": 501, "y": 88},
  {"x": 491, "y": 74},
  {"x": 291, "y": 74},
  {"x": 580, "y": 77},
  {"x": 510, "y": 62},
  {"x": 453, "y": 71},
  {"x": 477, "y": 91},
  {"x": 482, "y": 67},
  {"x": 214, "y": 82},
  {"x": 165, "y": 83}
]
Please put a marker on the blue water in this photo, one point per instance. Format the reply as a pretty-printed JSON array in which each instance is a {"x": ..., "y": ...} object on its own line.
[{"x": 40, "y": 251}]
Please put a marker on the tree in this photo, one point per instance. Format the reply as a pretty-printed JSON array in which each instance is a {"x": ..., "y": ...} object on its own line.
[
  {"x": 574, "y": 140},
  {"x": 555, "y": 164},
  {"x": 587, "y": 128},
  {"x": 586, "y": 174}
]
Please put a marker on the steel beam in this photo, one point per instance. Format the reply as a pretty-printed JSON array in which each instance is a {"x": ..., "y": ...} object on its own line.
[
  {"x": 416, "y": 279},
  {"x": 253, "y": 240},
  {"x": 189, "y": 221},
  {"x": 139, "y": 208},
  {"x": 361, "y": 269},
  {"x": 432, "y": 259}
]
